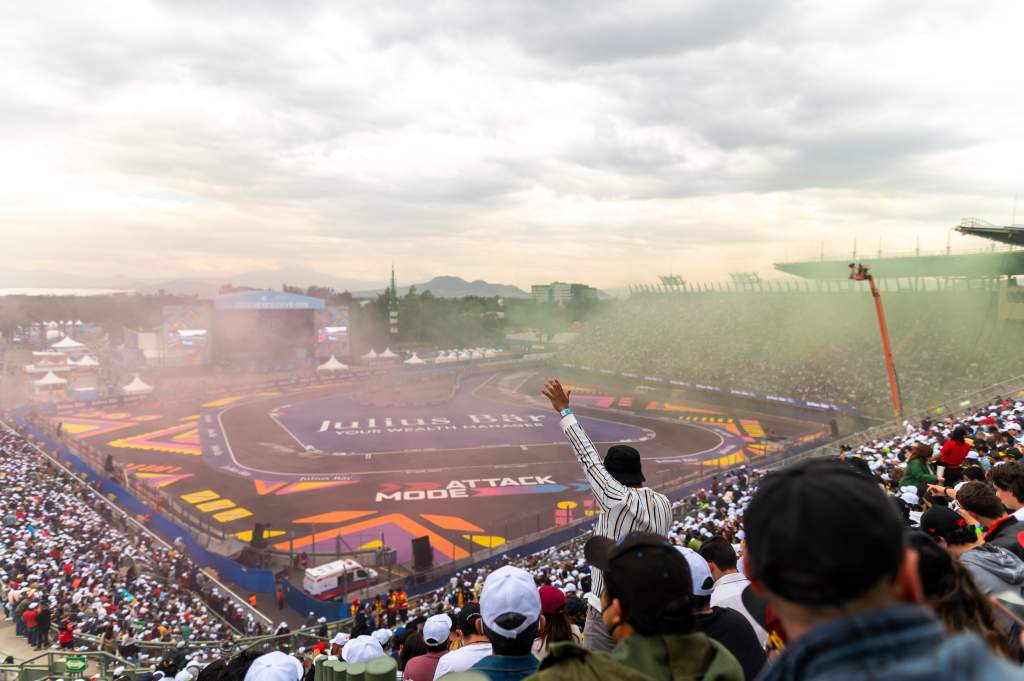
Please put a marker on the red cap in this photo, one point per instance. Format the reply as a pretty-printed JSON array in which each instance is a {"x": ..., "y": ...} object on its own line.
[{"x": 552, "y": 600}]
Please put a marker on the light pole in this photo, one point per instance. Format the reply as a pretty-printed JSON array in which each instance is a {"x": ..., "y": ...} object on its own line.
[{"x": 860, "y": 273}]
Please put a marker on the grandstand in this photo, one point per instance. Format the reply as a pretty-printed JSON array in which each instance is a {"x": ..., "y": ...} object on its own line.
[{"x": 813, "y": 340}]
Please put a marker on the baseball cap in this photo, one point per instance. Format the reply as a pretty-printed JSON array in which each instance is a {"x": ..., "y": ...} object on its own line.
[
  {"x": 340, "y": 639},
  {"x": 382, "y": 636},
  {"x": 552, "y": 600},
  {"x": 362, "y": 649},
  {"x": 650, "y": 578},
  {"x": 821, "y": 533},
  {"x": 509, "y": 590},
  {"x": 941, "y": 521},
  {"x": 274, "y": 666},
  {"x": 468, "y": 616},
  {"x": 436, "y": 629},
  {"x": 623, "y": 462},
  {"x": 700, "y": 573}
]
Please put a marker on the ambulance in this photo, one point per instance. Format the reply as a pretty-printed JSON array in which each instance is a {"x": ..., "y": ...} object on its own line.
[{"x": 328, "y": 582}]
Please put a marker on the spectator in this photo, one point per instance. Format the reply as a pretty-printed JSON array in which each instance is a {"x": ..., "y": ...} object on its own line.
[
  {"x": 724, "y": 625},
  {"x": 411, "y": 647},
  {"x": 617, "y": 484},
  {"x": 338, "y": 643},
  {"x": 43, "y": 622},
  {"x": 474, "y": 644},
  {"x": 558, "y": 628},
  {"x": 1008, "y": 481},
  {"x": 951, "y": 457},
  {"x": 511, "y": 611},
  {"x": 993, "y": 568},
  {"x": 274, "y": 666},
  {"x": 729, "y": 582},
  {"x": 981, "y": 505},
  {"x": 951, "y": 593},
  {"x": 919, "y": 471},
  {"x": 30, "y": 617},
  {"x": 362, "y": 649},
  {"x": 825, "y": 548},
  {"x": 436, "y": 634},
  {"x": 647, "y": 607}
]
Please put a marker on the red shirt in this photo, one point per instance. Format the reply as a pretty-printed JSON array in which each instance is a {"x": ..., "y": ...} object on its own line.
[
  {"x": 422, "y": 667},
  {"x": 953, "y": 453}
]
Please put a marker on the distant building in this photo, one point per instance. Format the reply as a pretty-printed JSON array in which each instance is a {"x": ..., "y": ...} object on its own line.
[{"x": 561, "y": 293}]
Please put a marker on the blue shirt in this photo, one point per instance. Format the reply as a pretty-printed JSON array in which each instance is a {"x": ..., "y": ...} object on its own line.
[{"x": 506, "y": 667}]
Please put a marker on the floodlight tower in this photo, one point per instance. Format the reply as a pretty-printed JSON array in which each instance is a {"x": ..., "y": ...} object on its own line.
[{"x": 860, "y": 273}]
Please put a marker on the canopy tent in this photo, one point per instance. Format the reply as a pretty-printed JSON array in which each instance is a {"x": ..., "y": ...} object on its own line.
[
  {"x": 137, "y": 387},
  {"x": 86, "y": 361},
  {"x": 387, "y": 354},
  {"x": 464, "y": 355},
  {"x": 50, "y": 380},
  {"x": 476, "y": 354},
  {"x": 489, "y": 353},
  {"x": 67, "y": 343},
  {"x": 415, "y": 359},
  {"x": 370, "y": 355},
  {"x": 332, "y": 365},
  {"x": 441, "y": 358}
]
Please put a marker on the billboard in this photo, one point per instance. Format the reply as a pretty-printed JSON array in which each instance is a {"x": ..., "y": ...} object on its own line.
[
  {"x": 185, "y": 334},
  {"x": 332, "y": 324}
]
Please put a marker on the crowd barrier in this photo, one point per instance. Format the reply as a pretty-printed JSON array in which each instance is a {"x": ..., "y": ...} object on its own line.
[
  {"x": 302, "y": 602},
  {"x": 259, "y": 580}
]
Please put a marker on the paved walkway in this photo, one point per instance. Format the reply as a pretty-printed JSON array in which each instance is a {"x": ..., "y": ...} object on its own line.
[{"x": 12, "y": 644}]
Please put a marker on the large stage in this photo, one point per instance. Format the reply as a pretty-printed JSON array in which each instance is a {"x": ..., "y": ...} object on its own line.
[{"x": 471, "y": 462}]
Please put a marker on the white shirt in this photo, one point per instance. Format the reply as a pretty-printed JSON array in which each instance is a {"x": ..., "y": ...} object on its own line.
[
  {"x": 623, "y": 509},
  {"x": 728, "y": 593},
  {"x": 462, "y": 659},
  {"x": 1019, "y": 514}
]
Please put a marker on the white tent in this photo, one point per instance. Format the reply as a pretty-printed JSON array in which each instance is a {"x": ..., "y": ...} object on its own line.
[
  {"x": 489, "y": 353},
  {"x": 67, "y": 343},
  {"x": 477, "y": 355},
  {"x": 441, "y": 358},
  {"x": 86, "y": 361},
  {"x": 387, "y": 354},
  {"x": 464, "y": 355},
  {"x": 370, "y": 355},
  {"x": 332, "y": 365},
  {"x": 137, "y": 387},
  {"x": 49, "y": 380},
  {"x": 415, "y": 359}
]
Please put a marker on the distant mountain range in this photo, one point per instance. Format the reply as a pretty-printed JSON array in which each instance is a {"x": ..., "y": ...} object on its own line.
[
  {"x": 441, "y": 286},
  {"x": 457, "y": 287}
]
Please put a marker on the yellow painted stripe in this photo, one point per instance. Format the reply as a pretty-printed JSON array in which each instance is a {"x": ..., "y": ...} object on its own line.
[
  {"x": 233, "y": 514},
  {"x": 196, "y": 497},
  {"x": 215, "y": 505}
]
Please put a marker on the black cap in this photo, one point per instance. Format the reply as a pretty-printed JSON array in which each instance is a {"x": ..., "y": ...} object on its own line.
[
  {"x": 467, "y": 618},
  {"x": 650, "y": 578},
  {"x": 819, "y": 532},
  {"x": 942, "y": 522},
  {"x": 623, "y": 462}
]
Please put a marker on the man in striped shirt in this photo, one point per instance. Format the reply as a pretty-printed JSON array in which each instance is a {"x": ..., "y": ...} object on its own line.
[{"x": 617, "y": 484}]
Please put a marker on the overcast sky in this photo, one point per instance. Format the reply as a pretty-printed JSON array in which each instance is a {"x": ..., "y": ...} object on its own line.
[{"x": 513, "y": 141}]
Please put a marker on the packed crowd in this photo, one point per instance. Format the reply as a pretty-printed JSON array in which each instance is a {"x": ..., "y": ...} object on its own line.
[
  {"x": 965, "y": 347},
  {"x": 900, "y": 558},
  {"x": 74, "y": 572}
]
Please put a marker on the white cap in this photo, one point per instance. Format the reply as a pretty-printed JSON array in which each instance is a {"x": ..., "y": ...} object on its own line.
[
  {"x": 700, "y": 573},
  {"x": 436, "y": 630},
  {"x": 570, "y": 588},
  {"x": 362, "y": 649},
  {"x": 509, "y": 590},
  {"x": 340, "y": 639},
  {"x": 382, "y": 636},
  {"x": 274, "y": 666}
]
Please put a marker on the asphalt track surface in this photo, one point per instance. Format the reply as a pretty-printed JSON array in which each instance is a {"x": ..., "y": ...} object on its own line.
[{"x": 470, "y": 465}]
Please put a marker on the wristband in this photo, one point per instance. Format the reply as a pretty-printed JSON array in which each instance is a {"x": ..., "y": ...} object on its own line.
[{"x": 565, "y": 412}]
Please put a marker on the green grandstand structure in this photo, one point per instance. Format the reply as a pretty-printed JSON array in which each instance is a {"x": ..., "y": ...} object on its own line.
[{"x": 998, "y": 261}]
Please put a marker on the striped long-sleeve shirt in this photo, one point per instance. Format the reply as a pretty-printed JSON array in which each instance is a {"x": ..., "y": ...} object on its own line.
[{"x": 623, "y": 509}]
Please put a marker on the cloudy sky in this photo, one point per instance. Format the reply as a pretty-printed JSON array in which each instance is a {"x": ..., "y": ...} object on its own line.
[{"x": 514, "y": 141}]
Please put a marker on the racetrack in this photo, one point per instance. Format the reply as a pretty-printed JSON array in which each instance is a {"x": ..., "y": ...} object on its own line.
[{"x": 471, "y": 462}]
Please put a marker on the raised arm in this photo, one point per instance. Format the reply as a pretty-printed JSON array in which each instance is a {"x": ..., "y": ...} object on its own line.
[{"x": 607, "y": 490}]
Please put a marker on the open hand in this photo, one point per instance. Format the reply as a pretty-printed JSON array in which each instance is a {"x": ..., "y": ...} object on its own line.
[{"x": 559, "y": 398}]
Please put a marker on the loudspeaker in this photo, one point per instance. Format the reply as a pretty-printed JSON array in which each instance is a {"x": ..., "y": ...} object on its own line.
[
  {"x": 833, "y": 427},
  {"x": 422, "y": 554},
  {"x": 258, "y": 541}
]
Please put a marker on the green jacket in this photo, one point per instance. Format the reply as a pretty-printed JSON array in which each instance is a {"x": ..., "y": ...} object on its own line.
[
  {"x": 675, "y": 657},
  {"x": 917, "y": 472}
]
